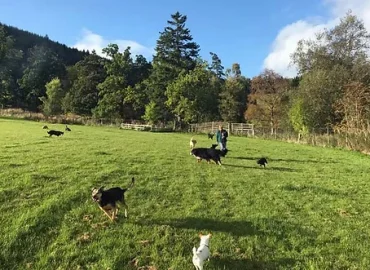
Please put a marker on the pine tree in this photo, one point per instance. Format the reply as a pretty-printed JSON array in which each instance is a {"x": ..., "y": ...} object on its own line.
[
  {"x": 216, "y": 66},
  {"x": 175, "y": 53}
]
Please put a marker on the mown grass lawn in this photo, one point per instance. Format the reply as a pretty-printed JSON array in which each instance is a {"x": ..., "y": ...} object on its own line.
[{"x": 308, "y": 209}]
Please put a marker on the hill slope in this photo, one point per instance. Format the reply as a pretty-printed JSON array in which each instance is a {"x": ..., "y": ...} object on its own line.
[{"x": 25, "y": 40}]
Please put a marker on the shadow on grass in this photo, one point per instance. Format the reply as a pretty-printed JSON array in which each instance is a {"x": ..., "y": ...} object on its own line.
[
  {"x": 102, "y": 153},
  {"x": 40, "y": 142},
  {"x": 242, "y": 264},
  {"x": 15, "y": 165},
  {"x": 261, "y": 168},
  {"x": 43, "y": 177},
  {"x": 285, "y": 160},
  {"x": 315, "y": 189},
  {"x": 238, "y": 228},
  {"x": 12, "y": 146}
]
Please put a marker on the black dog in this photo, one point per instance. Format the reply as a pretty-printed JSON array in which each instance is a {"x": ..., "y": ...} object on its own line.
[
  {"x": 55, "y": 132},
  {"x": 67, "y": 128},
  {"x": 210, "y": 136},
  {"x": 108, "y": 199},
  {"x": 262, "y": 161},
  {"x": 207, "y": 154},
  {"x": 222, "y": 153}
]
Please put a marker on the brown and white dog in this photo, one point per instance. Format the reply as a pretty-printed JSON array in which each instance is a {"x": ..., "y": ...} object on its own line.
[{"x": 108, "y": 199}]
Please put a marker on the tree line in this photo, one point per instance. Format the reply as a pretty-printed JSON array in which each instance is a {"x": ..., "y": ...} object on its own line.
[{"x": 331, "y": 90}]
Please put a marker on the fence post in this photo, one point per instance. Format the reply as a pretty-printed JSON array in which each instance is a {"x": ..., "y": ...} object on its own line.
[
  {"x": 213, "y": 128},
  {"x": 327, "y": 132},
  {"x": 228, "y": 128}
]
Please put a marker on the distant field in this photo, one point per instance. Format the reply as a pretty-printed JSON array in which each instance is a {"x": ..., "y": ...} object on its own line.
[{"x": 309, "y": 209}]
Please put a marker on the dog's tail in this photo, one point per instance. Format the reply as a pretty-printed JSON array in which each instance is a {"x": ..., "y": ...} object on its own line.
[
  {"x": 194, "y": 251},
  {"x": 132, "y": 184}
]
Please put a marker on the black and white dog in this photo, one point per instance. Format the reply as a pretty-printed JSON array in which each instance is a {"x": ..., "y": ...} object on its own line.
[
  {"x": 208, "y": 154},
  {"x": 55, "y": 132},
  {"x": 262, "y": 162}
]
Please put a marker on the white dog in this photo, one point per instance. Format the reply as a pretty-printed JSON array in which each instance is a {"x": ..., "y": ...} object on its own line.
[
  {"x": 202, "y": 253},
  {"x": 192, "y": 143}
]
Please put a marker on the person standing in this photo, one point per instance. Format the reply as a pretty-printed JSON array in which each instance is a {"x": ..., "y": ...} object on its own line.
[{"x": 221, "y": 137}]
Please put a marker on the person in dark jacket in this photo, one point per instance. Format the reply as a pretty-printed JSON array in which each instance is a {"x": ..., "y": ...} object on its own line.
[{"x": 221, "y": 137}]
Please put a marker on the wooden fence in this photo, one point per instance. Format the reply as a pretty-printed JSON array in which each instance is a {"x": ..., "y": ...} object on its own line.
[{"x": 232, "y": 128}]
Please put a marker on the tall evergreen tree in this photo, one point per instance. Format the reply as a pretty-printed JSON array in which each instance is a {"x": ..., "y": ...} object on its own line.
[
  {"x": 175, "y": 53},
  {"x": 216, "y": 66}
]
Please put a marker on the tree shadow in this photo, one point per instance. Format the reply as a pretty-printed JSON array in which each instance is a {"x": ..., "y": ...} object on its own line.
[
  {"x": 15, "y": 165},
  {"x": 40, "y": 142},
  {"x": 234, "y": 227},
  {"x": 12, "y": 146},
  {"x": 302, "y": 160},
  {"x": 315, "y": 189},
  {"x": 246, "y": 158},
  {"x": 102, "y": 153},
  {"x": 43, "y": 178},
  {"x": 285, "y": 160},
  {"x": 242, "y": 264},
  {"x": 282, "y": 169}
]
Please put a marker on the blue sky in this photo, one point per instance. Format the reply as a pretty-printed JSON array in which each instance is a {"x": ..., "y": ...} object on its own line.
[{"x": 256, "y": 34}]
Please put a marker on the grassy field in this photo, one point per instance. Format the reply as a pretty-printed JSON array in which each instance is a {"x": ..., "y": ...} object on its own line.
[{"x": 308, "y": 209}]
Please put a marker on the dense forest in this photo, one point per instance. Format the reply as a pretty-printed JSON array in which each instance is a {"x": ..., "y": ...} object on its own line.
[{"x": 331, "y": 90}]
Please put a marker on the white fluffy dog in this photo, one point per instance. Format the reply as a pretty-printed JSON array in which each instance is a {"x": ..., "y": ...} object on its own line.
[
  {"x": 192, "y": 143},
  {"x": 202, "y": 253}
]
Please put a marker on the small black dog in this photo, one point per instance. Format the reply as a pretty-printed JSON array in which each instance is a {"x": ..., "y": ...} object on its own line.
[
  {"x": 108, "y": 199},
  {"x": 45, "y": 127},
  {"x": 262, "y": 161},
  {"x": 55, "y": 132},
  {"x": 67, "y": 128},
  {"x": 210, "y": 136}
]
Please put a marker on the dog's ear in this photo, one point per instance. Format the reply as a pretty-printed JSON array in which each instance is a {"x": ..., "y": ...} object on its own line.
[
  {"x": 200, "y": 234},
  {"x": 210, "y": 235}
]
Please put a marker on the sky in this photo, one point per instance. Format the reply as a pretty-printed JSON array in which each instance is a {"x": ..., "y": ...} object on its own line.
[{"x": 256, "y": 34}]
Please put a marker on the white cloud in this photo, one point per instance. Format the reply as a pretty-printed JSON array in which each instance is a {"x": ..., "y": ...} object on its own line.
[
  {"x": 286, "y": 41},
  {"x": 91, "y": 41}
]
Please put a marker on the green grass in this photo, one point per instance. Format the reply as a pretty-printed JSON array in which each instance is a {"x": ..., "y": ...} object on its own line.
[{"x": 308, "y": 209}]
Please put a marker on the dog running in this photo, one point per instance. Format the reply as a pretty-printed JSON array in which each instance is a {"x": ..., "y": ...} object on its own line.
[
  {"x": 108, "y": 199},
  {"x": 55, "y": 132},
  {"x": 201, "y": 254},
  {"x": 262, "y": 162},
  {"x": 210, "y": 136},
  {"x": 67, "y": 128},
  {"x": 208, "y": 154}
]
